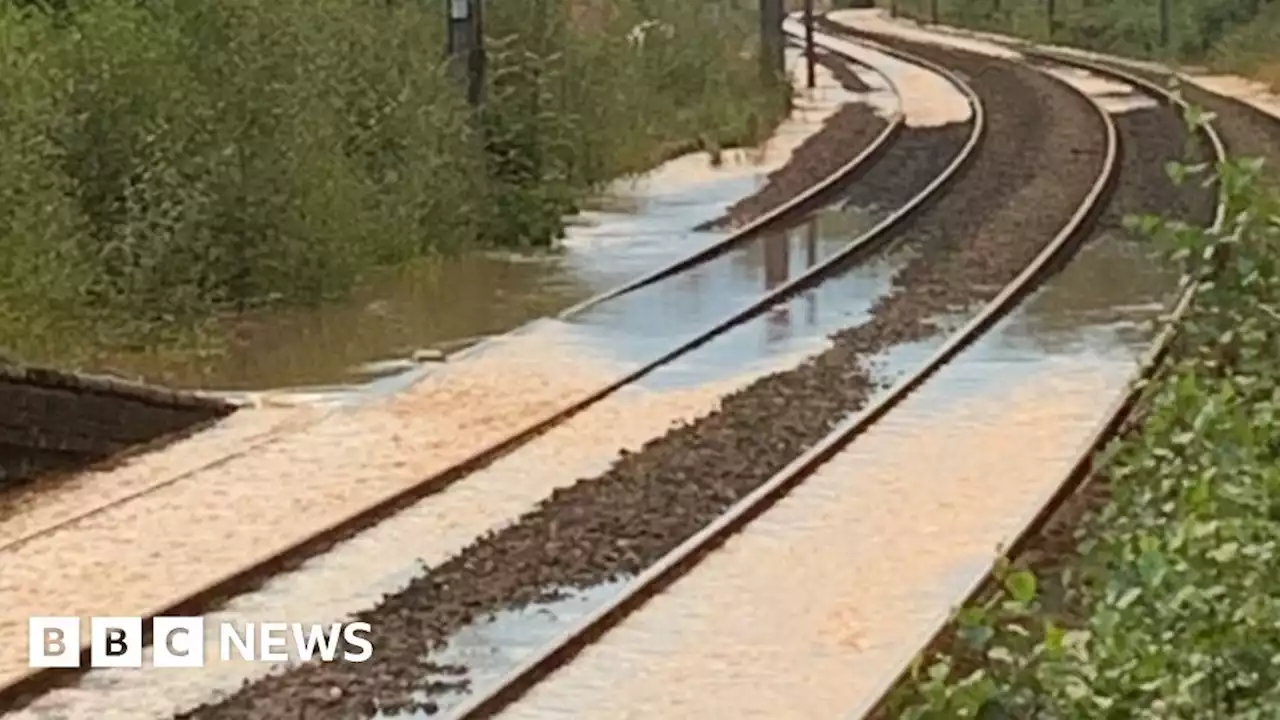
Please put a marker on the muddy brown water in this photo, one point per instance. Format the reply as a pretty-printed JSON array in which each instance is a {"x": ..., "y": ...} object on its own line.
[
  {"x": 633, "y": 227},
  {"x": 950, "y": 475},
  {"x": 616, "y": 522}
]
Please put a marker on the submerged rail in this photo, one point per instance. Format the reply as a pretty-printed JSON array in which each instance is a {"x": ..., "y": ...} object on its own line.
[{"x": 688, "y": 554}]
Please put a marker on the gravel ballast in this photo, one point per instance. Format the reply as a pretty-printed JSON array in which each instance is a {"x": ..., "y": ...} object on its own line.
[
  {"x": 1044, "y": 152},
  {"x": 843, "y": 137}
]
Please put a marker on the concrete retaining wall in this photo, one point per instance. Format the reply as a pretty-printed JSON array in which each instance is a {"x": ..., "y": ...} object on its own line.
[{"x": 51, "y": 420}]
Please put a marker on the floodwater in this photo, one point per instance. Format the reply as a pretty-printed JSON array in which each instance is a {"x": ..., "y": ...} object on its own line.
[
  {"x": 328, "y": 463},
  {"x": 888, "y": 535},
  {"x": 645, "y": 323},
  {"x": 634, "y": 227},
  {"x": 357, "y": 573}
]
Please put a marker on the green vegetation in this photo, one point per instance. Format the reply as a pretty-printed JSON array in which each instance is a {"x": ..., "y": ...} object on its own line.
[
  {"x": 1237, "y": 34},
  {"x": 167, "y": 163},
  {"x": 1169, "y": 604}
]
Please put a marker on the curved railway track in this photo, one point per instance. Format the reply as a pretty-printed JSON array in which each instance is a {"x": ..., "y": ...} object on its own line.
[
  {"x": 997, "y": 162},
  {"x": 684, "y": 559},
  {"x": 687, "y": 555},
  {"x": 864, "y": 245},
  {"x": 1122, "y": 412},
  {"x": 210, "y": 408}
]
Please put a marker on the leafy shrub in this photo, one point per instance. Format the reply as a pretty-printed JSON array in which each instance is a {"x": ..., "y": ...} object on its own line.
[
  {"x": 1130, "y": 27},
  {"x": 167, "y": 162}
]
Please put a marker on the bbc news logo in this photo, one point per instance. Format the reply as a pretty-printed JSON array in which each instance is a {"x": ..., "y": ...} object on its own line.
[{"x": 179, "y": 642}]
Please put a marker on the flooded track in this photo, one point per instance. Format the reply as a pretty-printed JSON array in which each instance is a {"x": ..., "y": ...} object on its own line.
[
  {"x": 217, "y": 519},
  {"x": 917, "y": 501},
  {"x": 813, "y": 609},
  {"x": 622, "y": 521},
  {"x": 634, "y": 231}
]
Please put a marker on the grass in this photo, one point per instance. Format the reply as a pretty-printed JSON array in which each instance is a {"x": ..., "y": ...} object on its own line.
[{"x": 170, "y": 164}]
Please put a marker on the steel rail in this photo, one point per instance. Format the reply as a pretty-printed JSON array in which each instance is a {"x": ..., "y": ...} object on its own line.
[
  {"x": 40, "y": 680},
  {"x": 778, "y": 216},
  {"x": 845, "y": 173},
  {"x": 688, "y": 554},
  {"x": 1121, "y": 411}
]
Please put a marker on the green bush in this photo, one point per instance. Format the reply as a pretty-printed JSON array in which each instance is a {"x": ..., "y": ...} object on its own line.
[
  {"x": 168, "y": 163},
  {"x": 1128, "y": 27}
]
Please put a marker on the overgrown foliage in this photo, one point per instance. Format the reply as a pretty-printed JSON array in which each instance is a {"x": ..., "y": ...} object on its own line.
[
  {"x": 167, "y": 162},
  {"x": 1195, "y": 30},
  {"x": 1169, "y": 606}
]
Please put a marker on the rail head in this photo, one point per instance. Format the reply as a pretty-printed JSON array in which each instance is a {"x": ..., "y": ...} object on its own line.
[
  {"x": 681, "y": 559},
  {"x": 1113, "y": 418}
]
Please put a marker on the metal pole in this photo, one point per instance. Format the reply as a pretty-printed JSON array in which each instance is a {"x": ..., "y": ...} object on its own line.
[
  {"x": 479, "y": 59},
  {"x": 809, "y": 52},
  {"x": 1051, "y": 8},
  {"x": 466, "y": 46},
  {"x": 933, "y": 11},
  {"x": 773, "y": 66},
  {"x": 1164, "y": 24}
]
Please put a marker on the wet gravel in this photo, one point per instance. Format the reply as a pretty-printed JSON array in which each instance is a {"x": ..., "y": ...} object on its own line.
[
  {"x": 842, "y": 138},
  {"x": 1150, "y": 138},
  {"x": 1045, "y": 154}
]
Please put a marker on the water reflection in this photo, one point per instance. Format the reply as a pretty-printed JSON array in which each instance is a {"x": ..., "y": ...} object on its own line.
[
  {"x": 1115, "y": 288},
  {"x": 1026, "y": 394},
  {"x": 492, "y": 647},
  {"x": 777, "y": 271},
  {"x": 391, "y": 314}
]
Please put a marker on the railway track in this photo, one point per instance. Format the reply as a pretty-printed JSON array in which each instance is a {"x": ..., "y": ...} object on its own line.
[
  {"x": 56, "y": 539},
  {"x": 688, "y": 555},
  {"x": 84, "y": 429},
  {"x": 1122, "y": 412},
  {"x": 698, "y": 655},
  {"x": 578, "y": 539},
  {"x": 700, "y": 547}
]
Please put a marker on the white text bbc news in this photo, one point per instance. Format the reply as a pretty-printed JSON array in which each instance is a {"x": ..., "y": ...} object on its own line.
[{"x": 179, "y": 642}]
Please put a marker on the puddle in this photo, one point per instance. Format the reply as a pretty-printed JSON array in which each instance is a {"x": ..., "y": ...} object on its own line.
[
  {"x": 1113, "y": 96},
  {"x": 656, "y": 318},
  {"x": 491, "y": 648},
  {"x": 357, "y": 573},
  {"x": 1078, "y": 325},
  {"x": 1102, "y": 305},
  {"x": 878, "y": 21},
  {"x": 1092, "y": 315},
  {"x": 928, "y": 99}
]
